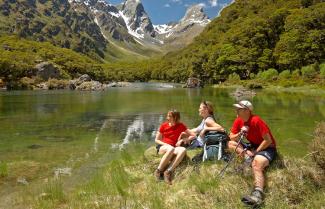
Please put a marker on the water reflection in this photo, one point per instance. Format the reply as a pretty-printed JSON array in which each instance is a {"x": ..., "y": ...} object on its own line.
[{"x": 141, "y": 128}]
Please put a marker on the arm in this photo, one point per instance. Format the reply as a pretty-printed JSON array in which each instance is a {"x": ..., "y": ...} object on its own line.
[
  {"x": 211, "y": 125},
  {"x": 185, "y": 136},
  {"x": 265, "y": 143},
  {"x": 234, "y": 137},
  {"x": 158, "y": 139}
]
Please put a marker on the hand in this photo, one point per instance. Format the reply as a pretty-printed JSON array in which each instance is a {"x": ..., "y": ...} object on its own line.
[
  {"x": 179, "y": 143},
  {"x": 244, "y": 130},
  {"x": 202, "y": 133}
]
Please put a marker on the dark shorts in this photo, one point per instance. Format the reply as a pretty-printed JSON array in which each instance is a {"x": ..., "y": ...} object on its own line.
[
  {"x": 269, "y": 153},
  {"x": 158, "y": 147}
]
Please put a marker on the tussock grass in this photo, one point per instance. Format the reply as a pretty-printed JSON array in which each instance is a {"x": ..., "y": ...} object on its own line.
[{"x": 129, "y": 183}]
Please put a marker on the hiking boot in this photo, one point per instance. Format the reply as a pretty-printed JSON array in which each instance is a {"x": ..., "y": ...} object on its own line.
[
  {"x": 255, "y": 199},
  {"x": 159, "y": 175},
  {"x": 168, "y": 177}
]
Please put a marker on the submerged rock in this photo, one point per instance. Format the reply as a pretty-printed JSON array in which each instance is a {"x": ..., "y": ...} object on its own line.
[
  {"x": 62, "y": 172},
  {"x": 193, "y": 83},
  {"x": 22, "y": 180},
  {"x": 242, "y": 93}
]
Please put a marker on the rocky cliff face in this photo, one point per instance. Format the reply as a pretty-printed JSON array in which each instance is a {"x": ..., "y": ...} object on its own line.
[
  {"x": 137, "y": 19},
  {"x": 89, "y": 26},
  {"x": 179, "y": 34}
]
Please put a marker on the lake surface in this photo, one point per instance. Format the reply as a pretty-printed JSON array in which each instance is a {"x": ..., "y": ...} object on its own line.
[{"x": 44, "y": 134}]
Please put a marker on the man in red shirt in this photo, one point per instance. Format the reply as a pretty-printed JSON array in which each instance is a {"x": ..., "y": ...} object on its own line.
[{"x": 259, "y": 153}]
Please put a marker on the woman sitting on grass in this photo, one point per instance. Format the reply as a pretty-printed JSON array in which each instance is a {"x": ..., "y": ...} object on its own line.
[
  {"x": 166, "y": 138},
  {"x": 196, "y": 138}
]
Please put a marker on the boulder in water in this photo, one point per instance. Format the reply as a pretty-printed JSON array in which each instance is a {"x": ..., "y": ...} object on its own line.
[{"x": 193, "y": 83}]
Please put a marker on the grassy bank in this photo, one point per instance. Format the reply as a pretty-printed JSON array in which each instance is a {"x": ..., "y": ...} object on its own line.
[{"x": 129, "y": 183}]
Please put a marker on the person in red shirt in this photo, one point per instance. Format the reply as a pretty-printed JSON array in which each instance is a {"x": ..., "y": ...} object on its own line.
[
  {"x": 167, "y": 138},
  {"x": 259, "y": 153}
]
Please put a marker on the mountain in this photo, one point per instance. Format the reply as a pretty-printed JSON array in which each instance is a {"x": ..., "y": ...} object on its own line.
[
  {"x": 97, "y": 28},
  {"x": 182, "y": 33},
  {"x": 250, "y": 39},
  {"x": 54, "y": 21}
]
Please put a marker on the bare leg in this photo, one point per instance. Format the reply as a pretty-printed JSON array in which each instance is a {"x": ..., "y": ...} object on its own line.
[
  {"x": 168, "y": 153},
  {"x": 179, "y": 153},
  {"x": 259, "y": 164}
]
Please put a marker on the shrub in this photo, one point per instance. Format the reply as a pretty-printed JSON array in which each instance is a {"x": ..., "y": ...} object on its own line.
[
  {"x": 57, "y": 84},
  {"x": 285, "y": 74},
  {"x": 296, "y": 73},
  {"x": 308, "y": 71},
  {"x": 270, "y": 74},
  {"x": 252, "y": 75},
  {"x": 322, "y": 70},
  {"x": 233, "y": 77}
]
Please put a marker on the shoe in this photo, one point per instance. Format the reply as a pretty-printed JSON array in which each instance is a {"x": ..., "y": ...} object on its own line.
[
  {"x": 255, "y": 199},
  {"x": 159, "y": 175},
  {"x": 168, "y": 177}
]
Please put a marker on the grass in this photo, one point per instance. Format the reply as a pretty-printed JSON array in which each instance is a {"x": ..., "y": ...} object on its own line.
[
  {"x": 3, "y": 170},
  {"x": 128, "y": 182}
]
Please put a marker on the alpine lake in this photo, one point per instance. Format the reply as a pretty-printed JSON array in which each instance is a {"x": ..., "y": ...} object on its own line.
[{"x": 71, "y": 134}]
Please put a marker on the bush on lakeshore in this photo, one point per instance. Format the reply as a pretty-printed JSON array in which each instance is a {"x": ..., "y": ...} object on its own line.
[
  {"x": 268, "y": 75},
  {"x": 322, "y": 70},
  {"x": 308, "y": 72},
  {"x": 233, "y": 78},
  {"x": 252, "y": 75},
  {"x": 253, "y": 84},
  {"x": 296, "y": 73},
  {"x": 57, "y": 84},
  {"x": 27, "y": 83},
  {"x": 285, "y": 74}
]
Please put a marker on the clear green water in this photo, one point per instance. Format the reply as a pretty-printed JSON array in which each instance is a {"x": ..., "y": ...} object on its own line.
[{"x": 71, "y": 129}]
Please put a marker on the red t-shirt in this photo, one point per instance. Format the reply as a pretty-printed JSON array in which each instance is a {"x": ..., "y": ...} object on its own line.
[
  {"x": 257, "y": 129},
  {"x": 170, "y": 134}
]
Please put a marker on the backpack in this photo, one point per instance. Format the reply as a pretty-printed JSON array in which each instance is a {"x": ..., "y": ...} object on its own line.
[{"x": 214, "y": 146}]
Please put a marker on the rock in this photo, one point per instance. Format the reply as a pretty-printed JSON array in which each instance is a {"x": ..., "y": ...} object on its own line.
[
  {"x": 84, "y": 78},
  {"x": 242, "y": 93},
  {"x": 113, "y": 84},
  {"x": 62, "y": 171},
  {"x": 123, "y": 84},
  {"x": 22, "y": 180},
  {"x": 91, "y": 86},
  {"x": 47, "y": 70},
  {"x": 193, "y": 83},
  {"x": 42, "y": 86}
]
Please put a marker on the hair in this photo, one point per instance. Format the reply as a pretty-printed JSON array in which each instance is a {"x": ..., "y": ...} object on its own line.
[
  {"x": 209, "y": 106},
  {"x": 175, "y": 115}
]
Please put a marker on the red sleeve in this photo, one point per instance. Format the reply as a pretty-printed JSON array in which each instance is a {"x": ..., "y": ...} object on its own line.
[
  {"x": 162, "y": 128},
  {"x": 183, "y": 127},
  {"x": 236, "y": 126},
  {"x": 262, "y": 127}
]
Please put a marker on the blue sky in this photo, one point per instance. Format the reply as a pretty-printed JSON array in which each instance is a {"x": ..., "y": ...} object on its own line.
[{"x": 164, "y": 11}]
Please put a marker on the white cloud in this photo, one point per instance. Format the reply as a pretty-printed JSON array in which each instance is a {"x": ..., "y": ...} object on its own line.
[
  {"x": 203, "y": 5},
  {"x": 177, "y": 1},
  {"x": 167, "y": 5},
  {"x": 213, "y": 3}
]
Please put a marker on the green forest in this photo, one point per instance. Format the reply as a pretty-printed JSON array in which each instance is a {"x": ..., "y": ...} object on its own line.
[{"x": 263, "y": 40}]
